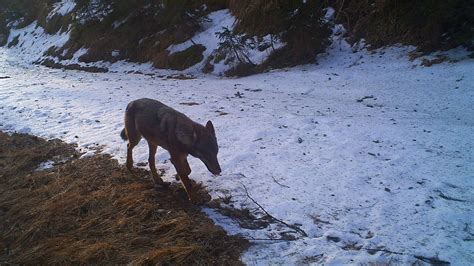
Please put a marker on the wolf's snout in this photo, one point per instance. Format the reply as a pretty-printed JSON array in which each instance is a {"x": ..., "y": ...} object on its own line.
[{"x": 215, "y": 169}]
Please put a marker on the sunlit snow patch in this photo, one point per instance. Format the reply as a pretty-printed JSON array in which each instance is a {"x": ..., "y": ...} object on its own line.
[
  {"x": 33, "y": 42},
  {"x": 62, "y": 8}
]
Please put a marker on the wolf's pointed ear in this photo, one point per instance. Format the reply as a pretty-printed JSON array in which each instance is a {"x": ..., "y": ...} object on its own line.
[
  {"x": 185, "y": 133},
  {"x": 210, "y": 127}
]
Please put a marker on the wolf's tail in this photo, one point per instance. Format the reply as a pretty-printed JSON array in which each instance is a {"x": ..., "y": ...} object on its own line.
[{"x": 123, "y": 134}]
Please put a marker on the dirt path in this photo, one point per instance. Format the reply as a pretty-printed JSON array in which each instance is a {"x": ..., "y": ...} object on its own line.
[{"x": 91, "y": 210}]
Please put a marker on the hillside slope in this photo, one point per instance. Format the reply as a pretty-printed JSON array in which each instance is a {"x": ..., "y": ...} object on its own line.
[{"x": 233, "y": 38}]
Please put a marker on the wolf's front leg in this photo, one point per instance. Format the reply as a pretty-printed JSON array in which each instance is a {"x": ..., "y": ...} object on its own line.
[{"x": 182, "y": 168}]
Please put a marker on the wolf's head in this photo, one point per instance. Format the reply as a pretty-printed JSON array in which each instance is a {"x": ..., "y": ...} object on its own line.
[
  {"x": 205, "y": 148},
  {"x": 201, "y": 143}
]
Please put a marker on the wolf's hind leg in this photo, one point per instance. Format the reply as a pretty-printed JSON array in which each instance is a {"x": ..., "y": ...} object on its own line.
[
  {"x": 133, "y": 140},
  {"x": 151, "y": 162},
  {"x": 132, "y": 135},
  {"x": 130, "y": 147}
]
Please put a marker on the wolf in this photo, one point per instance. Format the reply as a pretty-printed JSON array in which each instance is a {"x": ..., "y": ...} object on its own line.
[{"x": 163, "y": 126}]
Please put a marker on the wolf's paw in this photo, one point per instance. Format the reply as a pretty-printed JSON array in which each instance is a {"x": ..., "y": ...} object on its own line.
[
  {"x": 159, "y": 182},
  {"x": 200, "y": 198},
  {"x": 162, "y": 185}
]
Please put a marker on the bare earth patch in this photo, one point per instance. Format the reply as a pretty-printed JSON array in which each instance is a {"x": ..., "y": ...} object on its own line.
[{"x": 92, "y": 210}]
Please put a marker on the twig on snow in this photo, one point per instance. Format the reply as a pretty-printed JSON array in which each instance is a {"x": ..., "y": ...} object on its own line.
[
  {"x": 292, "y": 226},
  {"x": 384, "y": 250},
  {"x": 279, "y": 183},
  {"x": 267, "y": 239},
  {"x": 364, "y": 207},
  {"x": 449, "y": 198},
  {"x": 432, "y": 260}
]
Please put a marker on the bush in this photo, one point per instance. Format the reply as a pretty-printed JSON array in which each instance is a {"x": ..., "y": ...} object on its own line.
[
  {"x": 180, "y": 60},
  {"x": 306, "y": 36},
  {"x": 242, "y": 70},
  {"x": 298, "y": 24},
  {"x": 234, "y": 45},
  {"x": 187, "y": 58},
  {"x": 3, "y": 39},
  {"x": 428, "y": 24}
]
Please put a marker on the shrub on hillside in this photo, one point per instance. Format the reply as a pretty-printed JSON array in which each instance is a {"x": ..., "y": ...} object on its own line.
[
  {"x": 428, "y": 24},
  {"x": 298, "y": 24},
  {"x": 180, "y": 60}
]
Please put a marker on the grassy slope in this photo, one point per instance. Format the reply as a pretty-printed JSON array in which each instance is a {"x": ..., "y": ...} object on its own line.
[{"x": 91, "y": 210}]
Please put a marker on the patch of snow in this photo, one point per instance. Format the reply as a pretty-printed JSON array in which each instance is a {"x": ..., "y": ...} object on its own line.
[
  {"x": 62, "y": 8},
  {"x": 115, "y": 53},
  {"x": 75, "y": 58},
  {"x": 15, "y": 23},
  {"x": 33, "y": 42},
  {"x": 88, "y": 153},
  {"x": 258, "y": 57},
  {"x": 117, "y": 24},
  {"x": 45, "y": 165},
  {"x": 80, "y": 53},
  {"x": 24, "y": 130},
  {"x": 329, "y": 15},
  {"x": 217, "y": 21}
]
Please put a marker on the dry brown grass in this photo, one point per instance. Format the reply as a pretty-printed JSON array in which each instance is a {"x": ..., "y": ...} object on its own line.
[{"x": 91, "y": 210}]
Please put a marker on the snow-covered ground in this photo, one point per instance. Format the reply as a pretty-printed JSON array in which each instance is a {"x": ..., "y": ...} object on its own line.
[{"x": 366, "y": 151}]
